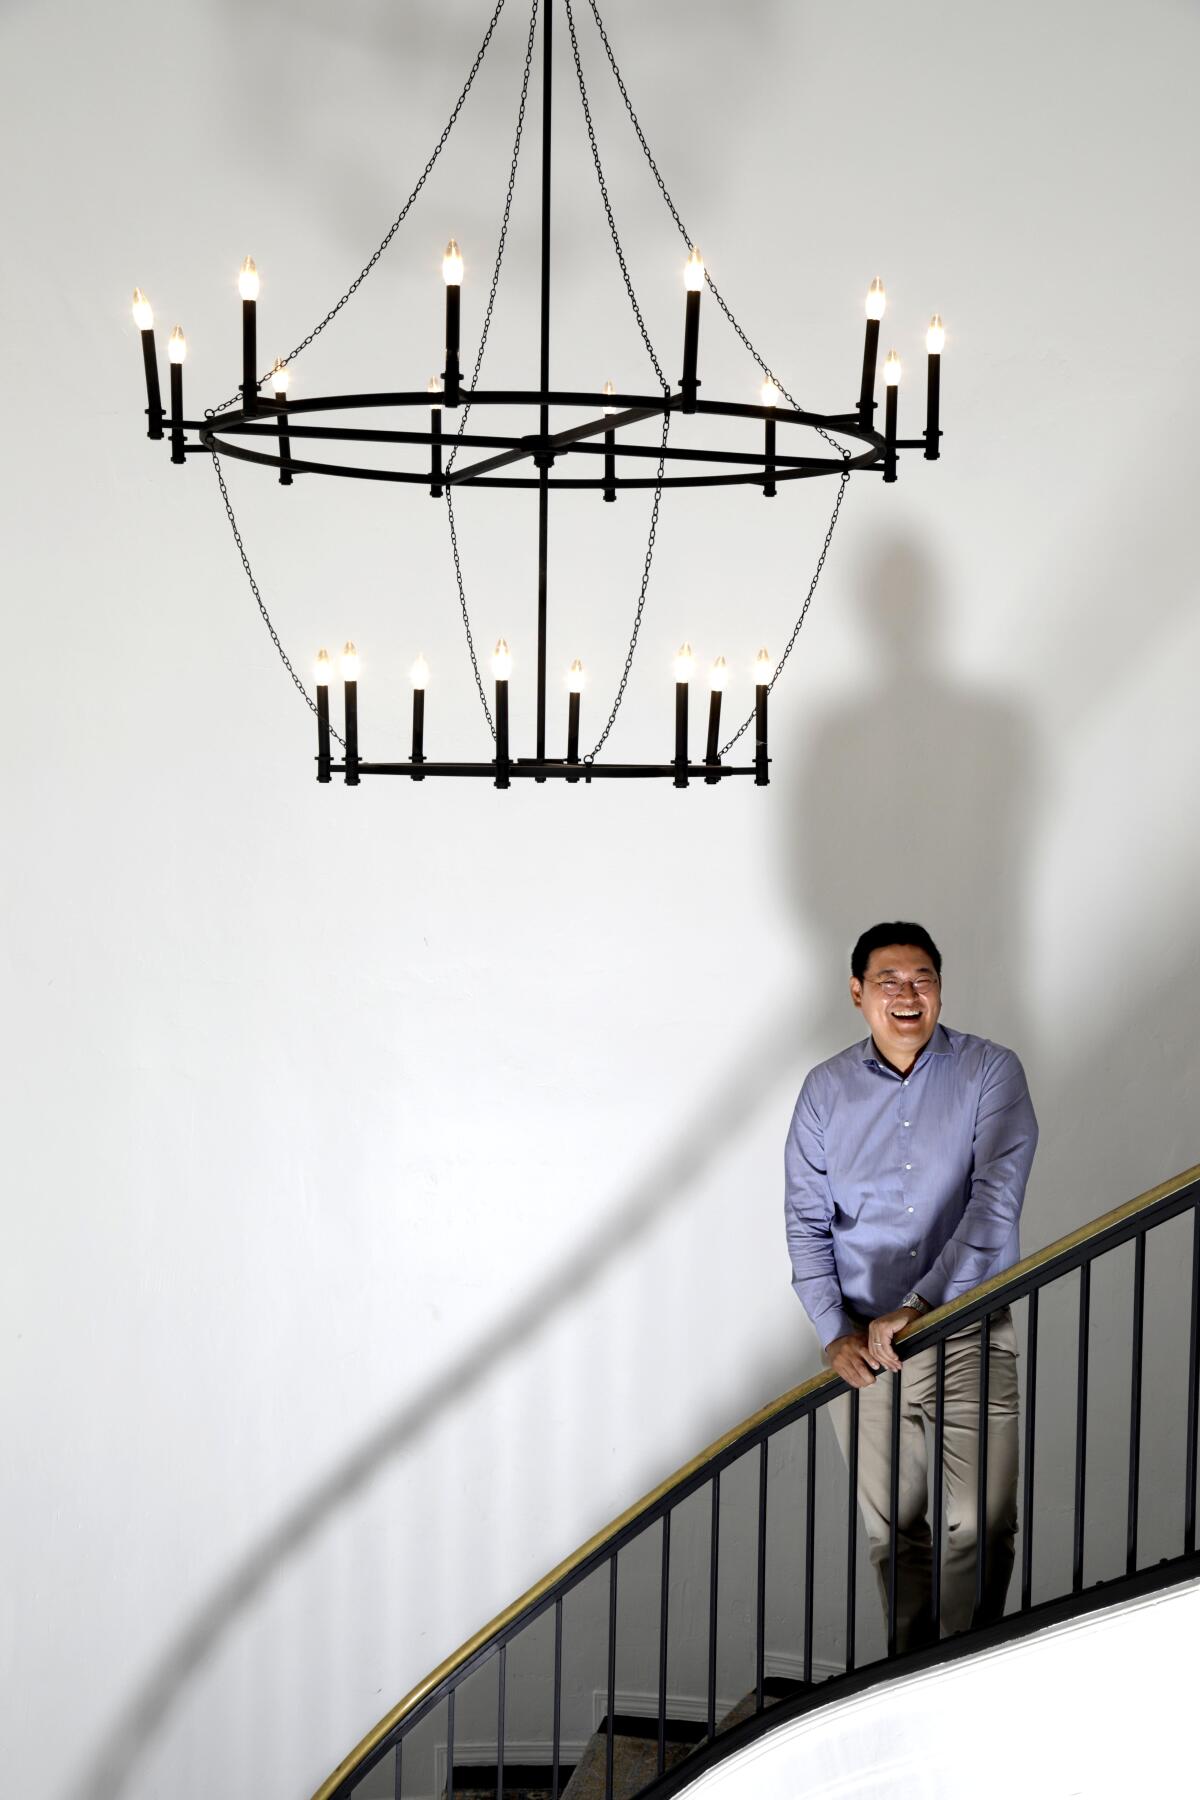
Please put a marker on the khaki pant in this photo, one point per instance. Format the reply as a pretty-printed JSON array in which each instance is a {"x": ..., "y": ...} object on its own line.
[{"x": 914, "y": 1555}]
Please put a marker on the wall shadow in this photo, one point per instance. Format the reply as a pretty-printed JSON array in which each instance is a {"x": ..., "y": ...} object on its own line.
[{"x": 913, "y": 799}]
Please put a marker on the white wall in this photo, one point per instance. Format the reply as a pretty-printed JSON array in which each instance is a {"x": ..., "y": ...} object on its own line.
[
  {"x": 1103, "y": 1703},
  {"x": 393, "y": 1178}
]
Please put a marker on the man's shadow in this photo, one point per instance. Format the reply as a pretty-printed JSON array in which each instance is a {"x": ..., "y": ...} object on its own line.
[{"x": 913, "y": 799}]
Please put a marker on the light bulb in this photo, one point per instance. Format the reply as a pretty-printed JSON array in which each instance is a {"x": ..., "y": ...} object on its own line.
[
  {"x": 891, "y": 369},
  {"x": 876, "y": 299},
  {"x": 248, "y": 283},
  {"x": 575, "y": 677},
  {"x": 608, "y": 388},
  {"x": 768, "y": 393},
  {"x": 935, "y": 337},
  {"x": 177, "y": 348},
  {"x": 280, "y": 376},
  {"x": 452, "y": 265},
  {"x": 763, "y": 668},
  {"x": 419, "y": 674},
  {"x": 719, "y": 675},
  {"x": 501, "y": 660},
  {"x": 349, "y": 663},
  {"x": 433, "y": 388},
  {"x": 693, "y": 274},
  {"x": 143, "y": 312},
  {"x": 685, "y": 663},
  {"x": 324, "y": 668}
]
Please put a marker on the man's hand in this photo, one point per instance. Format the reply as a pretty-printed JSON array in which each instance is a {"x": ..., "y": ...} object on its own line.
[
  {"x": 880, "y": 1333},
  {"x": 851, "y": 1358}
]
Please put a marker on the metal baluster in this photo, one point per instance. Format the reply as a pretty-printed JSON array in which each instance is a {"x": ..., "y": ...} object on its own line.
[
  {"x": 852, "y": 1532},
  {"x": 1081, "y": 1399},
  {"x": 1189, "y": 1499},
  {"x": 714, "y": 1545},
  {"x": 398, "y": 1772},
  {"x": 894, "y": 1513},
  {"x": 612, "y": 1677},
  {"x": 981, "y": 1515},
  {"x": 1031, "y": 1344},
  {"x": 450, "y": 1745},
  {"x": 939, "y": 1467},
  {"x": 501, "y": 1680},
  {"x": 760, "y": 1652},
  {"x": 557, "y": 1737},
  {"x": 663, "y": 1613},
  {"x": 810, "y": 1523},
  {"x": 1135, "y": 1403}
]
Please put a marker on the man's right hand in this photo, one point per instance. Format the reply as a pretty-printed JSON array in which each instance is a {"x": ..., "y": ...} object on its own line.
[{"x": 849, "y": 1357}]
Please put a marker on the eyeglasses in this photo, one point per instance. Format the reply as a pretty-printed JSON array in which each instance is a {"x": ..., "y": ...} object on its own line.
[{"x": 889, "y": 985}]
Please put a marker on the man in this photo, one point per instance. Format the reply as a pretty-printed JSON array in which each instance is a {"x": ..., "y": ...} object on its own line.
[{"x": 906, "y": 1167}]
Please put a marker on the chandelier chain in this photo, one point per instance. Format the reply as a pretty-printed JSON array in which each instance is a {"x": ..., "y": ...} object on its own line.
[
  {"x": 683, "y": 230},
  {"x": 641, "y": 603},
  {"x": 477, "y": 370},
  {"x": 254, "y": 589},
  {"x": 612, "y": 224},
  {"x": 396, "y": 223},
  {"x": 757, "y": 356},
  {"x": 812, "y": 588}
]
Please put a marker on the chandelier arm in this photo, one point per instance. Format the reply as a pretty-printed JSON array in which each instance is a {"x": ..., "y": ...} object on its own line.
[
  {"x": 603, "y": 185},
  {"x": 812, "y": 588},
  {"x": 475, "y": 374},
  {"x": 254, "y": 589},
  {"x": 401, "y": 215},
  {"x": 560, "y": 440}
]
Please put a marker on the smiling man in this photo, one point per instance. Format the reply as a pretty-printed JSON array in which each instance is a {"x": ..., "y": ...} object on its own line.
[{"x": 906, "y": 1167}]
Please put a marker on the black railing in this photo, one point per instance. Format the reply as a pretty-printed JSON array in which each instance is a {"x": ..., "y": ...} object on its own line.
[{"x": 680, "y": 1596}]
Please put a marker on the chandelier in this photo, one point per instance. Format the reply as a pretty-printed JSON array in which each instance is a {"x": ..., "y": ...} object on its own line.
[{"x": 423, "y": 440}]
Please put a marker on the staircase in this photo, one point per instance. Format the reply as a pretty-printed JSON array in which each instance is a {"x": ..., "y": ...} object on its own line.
[{"x": 733, "y": 1597}]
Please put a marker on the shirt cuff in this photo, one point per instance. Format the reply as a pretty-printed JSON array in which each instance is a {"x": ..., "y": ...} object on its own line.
[
  {"x": 932, "y": 1289},
  {"x": 833, "y": 1323}
]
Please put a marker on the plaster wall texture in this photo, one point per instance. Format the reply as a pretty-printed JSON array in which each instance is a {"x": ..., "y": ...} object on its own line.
[{"x": 392, "y": 1178}]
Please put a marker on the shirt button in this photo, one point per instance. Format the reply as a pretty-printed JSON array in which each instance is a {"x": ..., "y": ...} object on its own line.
[
  {"x": 908, "y": 1165},
  {"x": 912, "y": 1252},
  {"x": 907, "y": 1122},
  {"x": 904, "y": 1083},
  {"x": 910, "y": 1209}
]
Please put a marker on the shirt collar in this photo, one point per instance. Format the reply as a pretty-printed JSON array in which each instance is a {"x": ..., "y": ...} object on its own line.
[{"x": 938, "y": 1045}]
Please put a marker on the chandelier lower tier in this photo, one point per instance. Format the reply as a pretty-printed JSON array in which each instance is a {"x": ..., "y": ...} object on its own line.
[{"x": 268, "y": 425}]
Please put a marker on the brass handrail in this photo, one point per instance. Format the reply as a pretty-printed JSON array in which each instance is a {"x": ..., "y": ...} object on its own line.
[{"x": 1027, "y": 1266}]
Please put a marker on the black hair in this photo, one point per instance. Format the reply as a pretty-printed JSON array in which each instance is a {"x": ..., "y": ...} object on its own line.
[{"x": 900, "y": 931}]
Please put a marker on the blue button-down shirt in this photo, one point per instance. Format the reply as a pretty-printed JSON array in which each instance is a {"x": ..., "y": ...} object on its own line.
[{"x": 901, "y": 1182}]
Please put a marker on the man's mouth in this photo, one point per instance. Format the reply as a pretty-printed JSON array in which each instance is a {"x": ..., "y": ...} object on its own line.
[{"x": 906, "y": 1015}]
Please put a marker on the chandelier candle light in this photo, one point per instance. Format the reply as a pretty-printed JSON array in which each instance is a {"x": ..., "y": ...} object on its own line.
[{"x": 599, "y": 451}]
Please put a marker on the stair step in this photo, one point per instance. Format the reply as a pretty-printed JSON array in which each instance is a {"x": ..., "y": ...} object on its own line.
[
  {"x": 775, "y": 1689},
  {"x": 522, "y": 1781},
  {"x": 635, "y": 1755}
]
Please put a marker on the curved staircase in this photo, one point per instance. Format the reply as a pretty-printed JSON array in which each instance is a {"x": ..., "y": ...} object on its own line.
[{"x": 731, "y": 1598}]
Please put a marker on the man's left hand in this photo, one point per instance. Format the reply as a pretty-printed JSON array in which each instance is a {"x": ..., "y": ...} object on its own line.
[{"x": 880, "y": 1333}]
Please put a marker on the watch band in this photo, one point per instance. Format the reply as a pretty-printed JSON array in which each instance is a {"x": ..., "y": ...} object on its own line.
[{"x": 915, "y": 1301}]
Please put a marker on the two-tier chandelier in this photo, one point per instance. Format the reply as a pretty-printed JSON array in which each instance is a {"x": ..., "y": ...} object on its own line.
[{"x": 266, "y": 425}]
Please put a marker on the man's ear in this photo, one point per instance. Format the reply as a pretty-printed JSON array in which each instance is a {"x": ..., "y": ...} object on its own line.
[{"x": 856, "y": 991}]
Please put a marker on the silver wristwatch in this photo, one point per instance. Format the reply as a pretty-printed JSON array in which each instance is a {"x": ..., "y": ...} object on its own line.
[{"x": 915, "y": 1301}]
